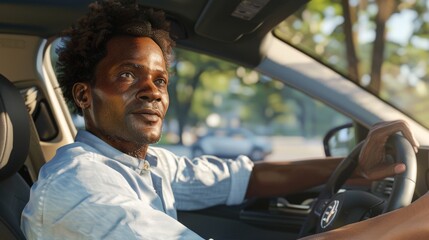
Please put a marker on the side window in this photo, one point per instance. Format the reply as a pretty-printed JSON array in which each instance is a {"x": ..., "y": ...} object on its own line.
[
  {"x": 77, "y": 119},
  {"x": 208, "y": 94}
]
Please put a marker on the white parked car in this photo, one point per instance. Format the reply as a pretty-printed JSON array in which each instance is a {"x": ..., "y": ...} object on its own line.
[{"x": 232, "y": 142}]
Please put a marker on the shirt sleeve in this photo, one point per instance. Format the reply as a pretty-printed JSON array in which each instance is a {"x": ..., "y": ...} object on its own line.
[
  {"x": 104, "y": 209},
  {"x": 207, "y": 180}
]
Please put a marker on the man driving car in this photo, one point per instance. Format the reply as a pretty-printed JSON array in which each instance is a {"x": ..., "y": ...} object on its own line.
[{"x": 110, "y": 183}]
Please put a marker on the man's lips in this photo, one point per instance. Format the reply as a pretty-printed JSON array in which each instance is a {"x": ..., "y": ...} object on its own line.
[{"x": 149, "y": 114}]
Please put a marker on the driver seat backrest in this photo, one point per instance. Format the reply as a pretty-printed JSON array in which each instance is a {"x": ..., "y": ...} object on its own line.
[{"x": 14, "y": 147}]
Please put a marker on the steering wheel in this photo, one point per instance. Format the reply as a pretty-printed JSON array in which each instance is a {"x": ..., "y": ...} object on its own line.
[{"x": 332, "y": 209}]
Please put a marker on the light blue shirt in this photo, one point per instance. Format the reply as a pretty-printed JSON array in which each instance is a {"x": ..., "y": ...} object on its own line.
[{"x": 90, "y": 190}]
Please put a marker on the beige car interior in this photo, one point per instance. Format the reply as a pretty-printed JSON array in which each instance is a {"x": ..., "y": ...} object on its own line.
[{"x": 26, "y": 145}]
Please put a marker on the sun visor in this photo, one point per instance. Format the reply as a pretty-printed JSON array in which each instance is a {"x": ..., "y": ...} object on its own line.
[{"x": 228, "y": 21}]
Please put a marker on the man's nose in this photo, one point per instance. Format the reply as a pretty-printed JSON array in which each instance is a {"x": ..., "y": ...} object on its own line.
[{"x": 148, "y": 92}]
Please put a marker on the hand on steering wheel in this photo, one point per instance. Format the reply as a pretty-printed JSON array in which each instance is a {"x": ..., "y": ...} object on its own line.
[
  {"x": 372, "y": 164},
  {"x": 368, "y": 159}
]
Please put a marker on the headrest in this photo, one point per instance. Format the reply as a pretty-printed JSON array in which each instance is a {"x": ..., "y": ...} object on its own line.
[{"x": 14, "y": 129}]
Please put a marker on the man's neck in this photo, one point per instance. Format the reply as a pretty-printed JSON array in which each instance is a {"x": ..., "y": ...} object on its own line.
[{"x": 137, "y": 150}]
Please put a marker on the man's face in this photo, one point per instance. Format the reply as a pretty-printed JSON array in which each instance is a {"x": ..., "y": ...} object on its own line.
[{"x": 129, "y": 97}]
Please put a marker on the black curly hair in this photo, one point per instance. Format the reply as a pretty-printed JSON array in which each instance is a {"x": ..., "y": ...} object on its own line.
[{"x": 84, "y": 44}]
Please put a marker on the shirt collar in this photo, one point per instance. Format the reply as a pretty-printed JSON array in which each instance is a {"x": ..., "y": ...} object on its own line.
[{"x": 105, "y": 149}]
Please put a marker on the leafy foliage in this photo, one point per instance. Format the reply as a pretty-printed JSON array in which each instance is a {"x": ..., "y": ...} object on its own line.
[
  {"x": 389, "y": 53},
  {"x": 202, "y": 86}
]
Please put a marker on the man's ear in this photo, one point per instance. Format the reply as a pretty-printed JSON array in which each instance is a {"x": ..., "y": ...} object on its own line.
[{"x": 82, "y": 95}]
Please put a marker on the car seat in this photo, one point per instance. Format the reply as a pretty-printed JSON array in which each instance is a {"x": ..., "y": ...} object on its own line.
[{"x": 14, "y": 147}]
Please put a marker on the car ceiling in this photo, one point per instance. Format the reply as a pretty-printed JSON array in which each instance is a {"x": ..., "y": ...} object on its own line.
[{"x": 204, "y": 25}]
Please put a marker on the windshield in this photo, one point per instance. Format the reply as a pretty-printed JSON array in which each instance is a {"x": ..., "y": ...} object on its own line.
[{"x": 381, "y": 45}]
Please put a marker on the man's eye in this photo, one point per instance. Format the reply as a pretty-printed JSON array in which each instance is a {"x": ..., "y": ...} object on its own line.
[
  {"x": 160, "y": 82},
  {"x": 127, "y": 75}
]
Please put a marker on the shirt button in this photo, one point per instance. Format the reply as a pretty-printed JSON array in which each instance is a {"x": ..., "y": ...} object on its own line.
[{"x": 146, "y": 166}]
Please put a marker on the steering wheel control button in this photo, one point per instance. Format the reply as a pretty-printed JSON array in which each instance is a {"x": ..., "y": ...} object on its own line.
[
  {"x": 329, "y": 214},
  {"x": 318, "y": 210}
]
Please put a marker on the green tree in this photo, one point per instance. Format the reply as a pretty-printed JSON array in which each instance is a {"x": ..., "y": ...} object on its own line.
[{"x": 189, "y": 70}]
